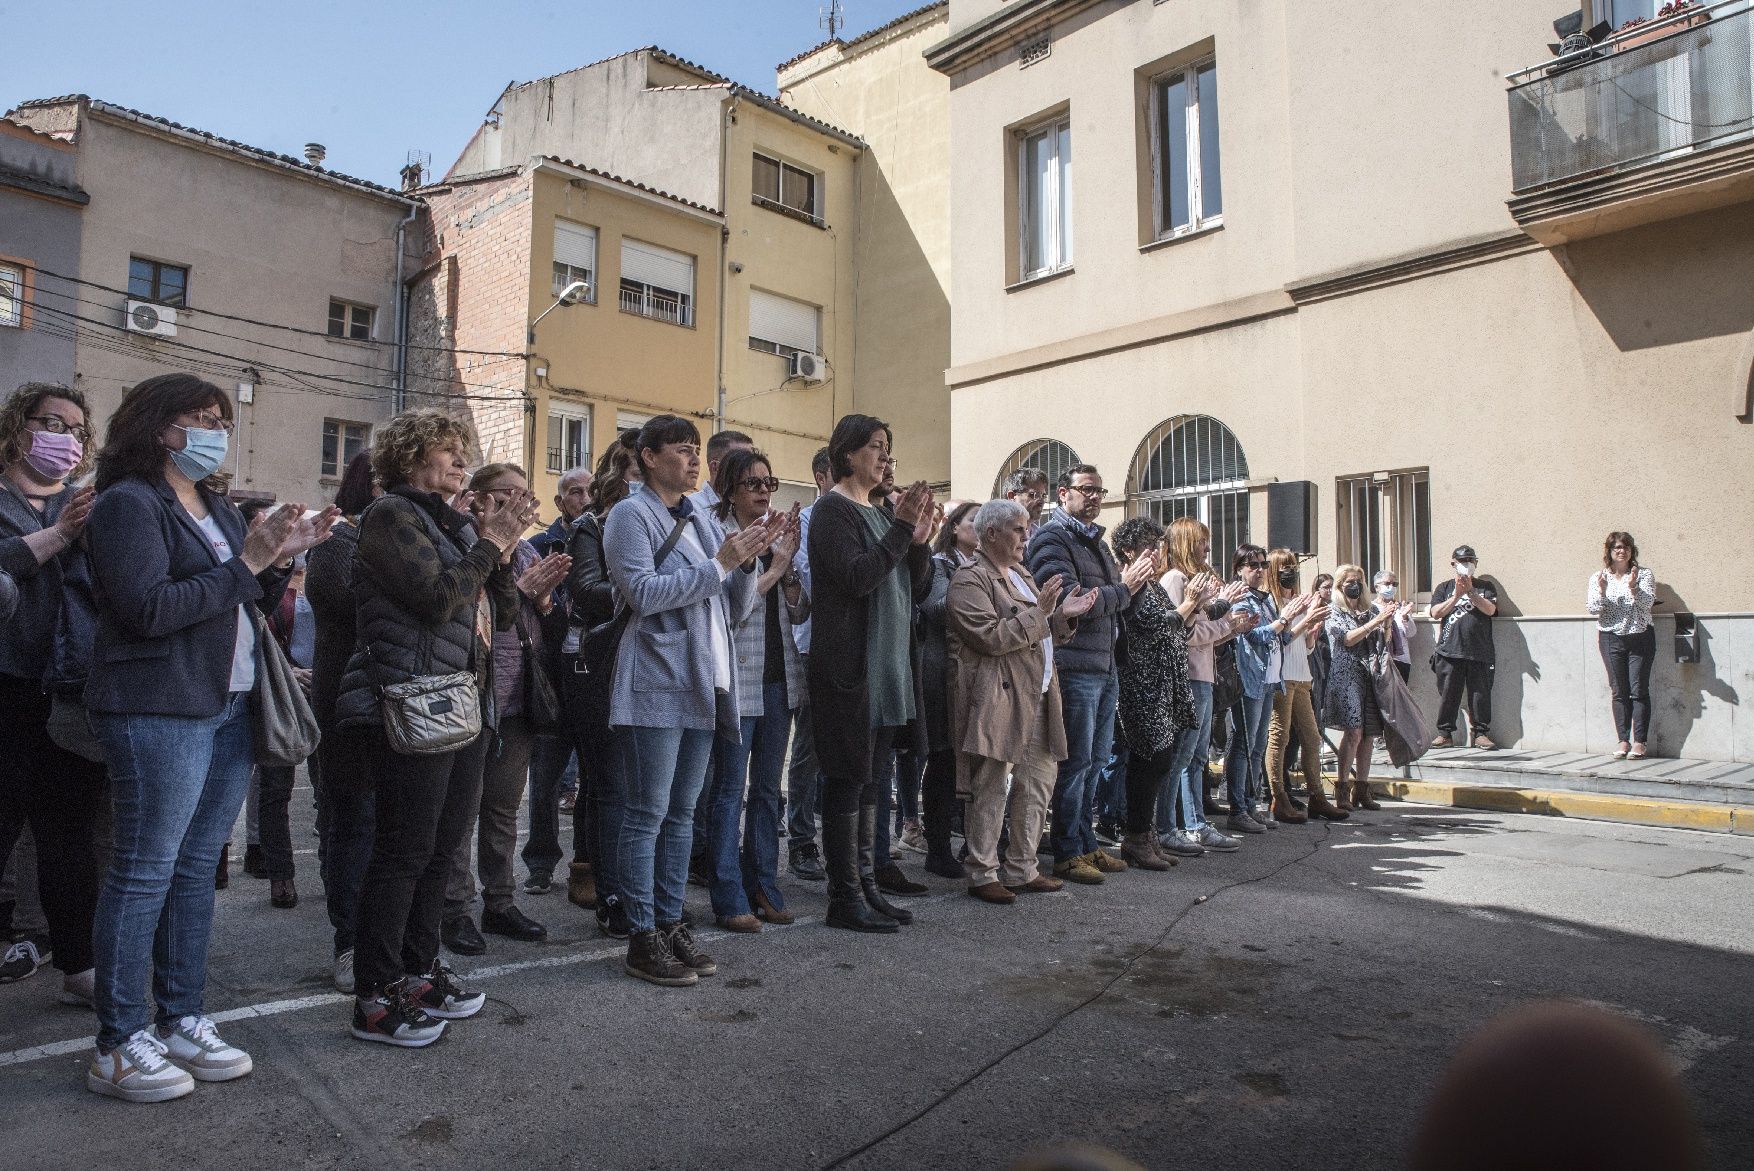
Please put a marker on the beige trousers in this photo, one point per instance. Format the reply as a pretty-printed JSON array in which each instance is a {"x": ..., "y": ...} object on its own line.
[{"x": 1032, "y": 787}]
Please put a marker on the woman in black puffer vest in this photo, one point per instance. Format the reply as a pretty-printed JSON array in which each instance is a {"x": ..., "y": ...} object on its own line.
[{"x": 422, "y": 577}]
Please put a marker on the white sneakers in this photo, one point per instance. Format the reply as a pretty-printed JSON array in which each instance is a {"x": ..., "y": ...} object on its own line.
[
  {"x": 139, "y": 1069},
  {"x": 344, "y": 971},
  {"x": 195, "y": 1044},
  {"x": 136, "y": 1071}
]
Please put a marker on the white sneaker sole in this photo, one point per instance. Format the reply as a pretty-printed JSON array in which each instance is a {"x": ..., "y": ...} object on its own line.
[
  {"x": 399, "y": 1042},
  {"x": 160, "y": 1093},
  {"x": 216, "y": 1073},
  {"x": 455, "y": 1014}
]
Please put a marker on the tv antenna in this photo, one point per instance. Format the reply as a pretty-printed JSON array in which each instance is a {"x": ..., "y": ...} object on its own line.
[{"x": 831, "y": 17}]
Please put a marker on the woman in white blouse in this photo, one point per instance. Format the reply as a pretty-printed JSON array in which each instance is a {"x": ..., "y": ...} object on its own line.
[{"x": 1621, "y": 595}]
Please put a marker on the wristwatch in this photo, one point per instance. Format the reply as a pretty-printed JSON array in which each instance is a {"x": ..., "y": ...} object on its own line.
[{"x": 791, "y": 579}]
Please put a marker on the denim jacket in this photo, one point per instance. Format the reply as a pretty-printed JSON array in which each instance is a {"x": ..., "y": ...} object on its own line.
[{"x": 1254, "y": 648}]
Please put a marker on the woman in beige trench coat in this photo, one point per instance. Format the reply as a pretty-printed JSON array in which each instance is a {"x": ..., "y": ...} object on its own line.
[{"x": 1004, "y": 700}]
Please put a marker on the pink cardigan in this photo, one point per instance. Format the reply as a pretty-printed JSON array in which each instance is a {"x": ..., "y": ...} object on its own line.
[{"x": 1206, "y": 634}]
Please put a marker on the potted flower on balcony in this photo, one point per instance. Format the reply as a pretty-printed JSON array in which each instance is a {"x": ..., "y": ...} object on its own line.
[{"x": 1691, "y": 13}]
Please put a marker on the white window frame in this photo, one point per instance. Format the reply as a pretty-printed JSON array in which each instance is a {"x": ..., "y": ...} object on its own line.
[
  {"x": 11, "y": 296},
  {"x": 1058, "y": 213},
  {"x": 342, "y": 457},
  {"x": 813, "y": 213},
  {"x": 350, "y": 309},
  {"x": 785, "y": 349},
  {"x": 658, "y": 301},
  {"x": 1380, "y": 526},
  {"x": 1200, "y": 437},
  {"x": 565, "y": 273},
  {"x": 1198, "y": 221},
  {"x": 566, "y": 414}
]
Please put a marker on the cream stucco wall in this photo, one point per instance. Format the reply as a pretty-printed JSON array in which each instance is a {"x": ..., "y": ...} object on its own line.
[
  {"x": 881, "y": 88},
  {"x": 260, "y": 242},
  {"x": 1552, "y": 394}
]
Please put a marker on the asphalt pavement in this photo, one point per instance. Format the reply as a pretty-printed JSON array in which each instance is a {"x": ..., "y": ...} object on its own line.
[{"x": 1289, "y": 1006}]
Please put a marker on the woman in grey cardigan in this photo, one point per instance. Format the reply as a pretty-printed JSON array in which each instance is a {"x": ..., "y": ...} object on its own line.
[{"x": 683, "y": 580}]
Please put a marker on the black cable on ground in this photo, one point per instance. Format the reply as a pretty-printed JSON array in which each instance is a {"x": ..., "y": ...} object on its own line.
[{"x": 1125, "y": 970}]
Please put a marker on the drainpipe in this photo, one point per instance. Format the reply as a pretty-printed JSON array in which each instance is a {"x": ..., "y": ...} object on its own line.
[
  {"x": 399, "y": 398},
  {"x": 724, "y": 255}
]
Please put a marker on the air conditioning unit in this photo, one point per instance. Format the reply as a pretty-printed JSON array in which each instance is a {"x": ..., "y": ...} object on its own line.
[
  {"x": 154, "y": 320},
  {"x": 809, "y": 367}
]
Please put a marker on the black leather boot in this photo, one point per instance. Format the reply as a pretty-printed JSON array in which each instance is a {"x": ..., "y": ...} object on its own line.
[
  {"x": 846, "y": 902},
  {"x": 867, "y": 822}
]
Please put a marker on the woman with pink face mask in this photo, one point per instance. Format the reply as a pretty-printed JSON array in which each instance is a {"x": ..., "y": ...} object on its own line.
[{"x": 44, "y": 443}]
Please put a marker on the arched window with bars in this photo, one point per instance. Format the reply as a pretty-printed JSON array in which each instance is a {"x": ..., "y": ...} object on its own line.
[
  {"x": 1193, "y": 466},
  {"x": 1049, "y": 456}
]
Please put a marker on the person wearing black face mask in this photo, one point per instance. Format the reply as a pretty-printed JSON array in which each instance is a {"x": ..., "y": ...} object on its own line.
[
  {"x": 1354, "y": 638},
  {"x": 1294, "y": 715}
]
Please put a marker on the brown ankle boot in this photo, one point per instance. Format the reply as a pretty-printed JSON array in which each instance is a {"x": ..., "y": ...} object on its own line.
[
  {"x": 1140, "y": 852},
  {"x": 1283, "y": 810},
  {"x": 1361, "y": 796},
  {"x": 1342, "y": 795},
  {"x": 581, "y": 885},
  {"x": 1320, "y": 806}
]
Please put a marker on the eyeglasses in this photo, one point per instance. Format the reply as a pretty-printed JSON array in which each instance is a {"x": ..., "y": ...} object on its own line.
[
  {"x": 1618, "y": 545},
  {"x": 758, "y": 483},
  {"x": 1093, "y": 493},
  {"x": 499, "y": 493},
  {"x": 1254, "y": 565},
  {"x": 56, "y": 425},
  {"x": 1031, "y": 494},
  {"x": 208, "y": 421},
  {"x": 892, "y": 461}
]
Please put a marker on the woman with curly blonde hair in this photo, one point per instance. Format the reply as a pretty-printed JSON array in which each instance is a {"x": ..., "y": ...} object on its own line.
[{"x": 45, "y": 442}]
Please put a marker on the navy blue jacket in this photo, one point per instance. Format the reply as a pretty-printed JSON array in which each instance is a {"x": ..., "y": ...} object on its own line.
[
  {"x": 1060, "y": 547},
  {"x": 167, "y": 609}
]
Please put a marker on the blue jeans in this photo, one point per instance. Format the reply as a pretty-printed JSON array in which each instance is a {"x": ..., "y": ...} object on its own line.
[
  {"x": 178, "y": 783},
  {"x": 1089, "y": 699},
  {"x": 662, "y": 773},
  {"x": 803, "y": 779},
  {"x": 761, "y": 817},
  {"x": 1181, "y": 805},
  {"x": 883, "y": 774},
  {"x": 1111, "y": 787},
  {"x": 1245, "y": 770},
  {"x": 550, "y": 761}
]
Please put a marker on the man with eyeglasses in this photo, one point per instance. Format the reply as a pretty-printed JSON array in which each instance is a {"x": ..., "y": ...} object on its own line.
[
  {"x": 1069, "y": 545},
  {"x": 1028, "y": 487}
]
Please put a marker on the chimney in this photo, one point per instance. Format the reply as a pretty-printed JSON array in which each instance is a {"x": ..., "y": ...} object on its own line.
[
  {"x": 411, "y": 176},
  {"x": 315, "y": 153}
]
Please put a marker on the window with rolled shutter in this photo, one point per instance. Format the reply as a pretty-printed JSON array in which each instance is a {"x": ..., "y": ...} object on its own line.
[
  {"x": 575, "y": 257},
  {"x": 657, "y": 282},
  {"x": 780, "y": 325}
]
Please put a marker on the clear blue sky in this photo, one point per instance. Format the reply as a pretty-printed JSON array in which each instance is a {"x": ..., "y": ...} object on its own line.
[{"x": 374, "y": 79}]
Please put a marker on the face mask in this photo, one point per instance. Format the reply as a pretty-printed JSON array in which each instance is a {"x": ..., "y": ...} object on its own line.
[
  {"x": 1387, "y": 591},
  {"x": 1288, "y": 578},
  {"x": 52, "y": 456},
  {"x": 1352, "y": 589},
  {"x": 203, "y": 454}
]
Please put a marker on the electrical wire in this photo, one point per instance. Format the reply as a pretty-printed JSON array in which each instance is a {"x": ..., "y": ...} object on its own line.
[
  {"x": 273, "y": 324},
  {"x": 182, "y": 325},
  {"x": 249, "y": 360}
]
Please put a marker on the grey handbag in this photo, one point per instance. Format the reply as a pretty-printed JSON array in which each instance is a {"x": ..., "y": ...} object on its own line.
[
  {"x": 286, "y": 729},
  {"x": 430, "y": 714}
]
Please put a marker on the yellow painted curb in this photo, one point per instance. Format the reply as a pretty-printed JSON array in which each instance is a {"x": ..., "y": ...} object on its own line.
[{"x": 1721, "y": 819}]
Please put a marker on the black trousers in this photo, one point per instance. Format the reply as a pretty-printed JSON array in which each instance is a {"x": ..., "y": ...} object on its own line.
[
  {"x": 1629, "y": 658},
  {"x": 346, "y": 824},
  {"x": 1145, "y": 777},
  {"x": 938, "y": 804},
  {"x": 56, "y": 793},
  {"x": 274, "y": 819},
  {"x": 425, "y": 806},
  {"x": 1456, "y": 677},
  {"x": 844, "y": 794}
]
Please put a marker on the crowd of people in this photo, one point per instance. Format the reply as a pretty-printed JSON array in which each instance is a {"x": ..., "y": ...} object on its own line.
[{"x": 872, "y": 674}]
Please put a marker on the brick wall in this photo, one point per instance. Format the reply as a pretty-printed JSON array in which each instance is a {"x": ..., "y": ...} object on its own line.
[{"x": 472, "y": 294}]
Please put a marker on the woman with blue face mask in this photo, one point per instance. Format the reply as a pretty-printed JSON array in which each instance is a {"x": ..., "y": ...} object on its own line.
[
  {"x": 170, "y": 695},
  {"x": 44, "y": 447}
]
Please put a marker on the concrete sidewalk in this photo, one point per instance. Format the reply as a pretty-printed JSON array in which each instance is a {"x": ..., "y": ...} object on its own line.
[{"x": 1712, "y": 795}]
